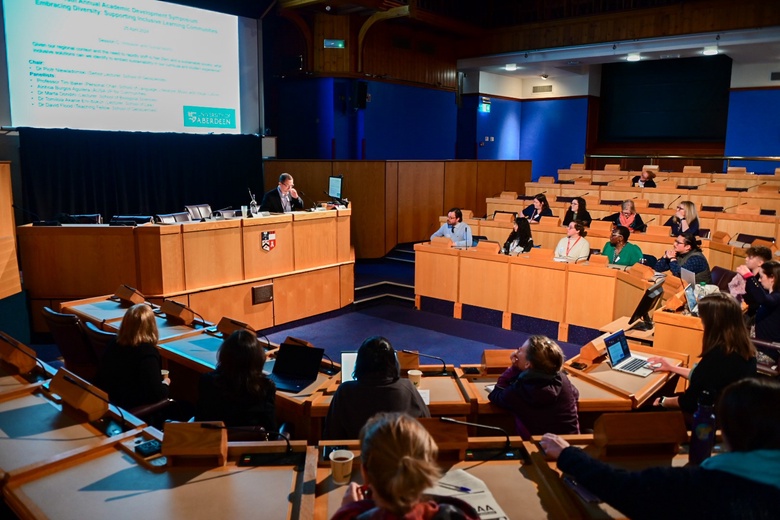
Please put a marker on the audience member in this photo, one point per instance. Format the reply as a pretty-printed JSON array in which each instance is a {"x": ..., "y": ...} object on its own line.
[
  {"x": 619, "y": 251},
  {"x": 455, "y": 229},
  {"x": 398, "y": 463},
  {"x": 282, "y": 199},
  {"x": 237, "y": 392},
  {"x": 129, "y": 370},
  {"x": 727, "y": 354},
  {"x": 644, "y": 180},
  {"x": 377, "y": 387},
  {"x": 536, "y": 391},
  {"x": 578, "y": 211},
  {"x": 764, "y": 290},
  {"x": 686, "y": 253},
  {"x": 537, "y": 209},
  {"x": 519, "y": 240},
  {"x": 573, "y": 246},
  {"x": 686, "y": 220},
  {"x": 754, "y": 257},
  {"x": 628, "y": 217},
  {"x": 744, "y": 482}
]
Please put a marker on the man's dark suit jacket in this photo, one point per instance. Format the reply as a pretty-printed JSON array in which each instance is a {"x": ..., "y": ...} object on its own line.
[{"x": 272, "y": 202}]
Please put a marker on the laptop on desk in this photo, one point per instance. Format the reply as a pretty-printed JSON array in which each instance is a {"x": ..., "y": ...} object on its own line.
[
  {"x": 295, "y": 367},
  {"x": 620, "y": 357}
]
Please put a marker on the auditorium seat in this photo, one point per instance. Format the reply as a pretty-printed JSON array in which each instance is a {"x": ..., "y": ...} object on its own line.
[
  {"x": 172, "y": 218},
  {"x": 721, "y": 277},
  {"x": 691, "y": 169},
  {"x": 198, "y": 211},
  {"x": 98, "y": 339},
  {"x": 72, "y": 343}
]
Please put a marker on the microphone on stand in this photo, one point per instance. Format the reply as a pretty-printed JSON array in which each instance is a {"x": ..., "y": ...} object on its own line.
[
  {"x": 508, "y": 453},
  {"x": 732, "y": 207},
  {"x": 260, "y": 430},
  {"x": 90, "y": 391},
  {"x": 443, "y": 364},
  {"x": 332, "y": 370},
  {"x": 669, "y": 206}
]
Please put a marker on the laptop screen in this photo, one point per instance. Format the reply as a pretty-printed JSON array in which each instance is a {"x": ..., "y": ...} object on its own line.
[
  {"x": 690, "y": 299},
  {"x": 298, "y": 361},
  {"x": 348, "y": 360},
  {"x": 617, "y": 347}
]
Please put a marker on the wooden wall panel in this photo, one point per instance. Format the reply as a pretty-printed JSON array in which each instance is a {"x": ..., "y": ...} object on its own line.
[
  {"x": 420, "y": 199},
  {"x": 311, "y": 177},
  {"x": 460, "y": 186},
  {"x": 491, "y": 177},
  {"x": 332, "y": 27},
  {"x": 517, "y": 174},
  {"x": 364, "y": 186},
  {"x": 391, "y": 205}
]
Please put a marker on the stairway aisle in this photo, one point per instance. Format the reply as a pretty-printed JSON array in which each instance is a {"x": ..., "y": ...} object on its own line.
[{"x": 389, "y": 277}]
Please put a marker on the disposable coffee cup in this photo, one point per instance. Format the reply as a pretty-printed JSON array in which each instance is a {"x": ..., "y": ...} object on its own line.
[
  {"x": 244, "y": 211},
  {"x": 341, "y": 466},
  {"x": 415, "y": 376},
  {"x": 164, "y": 374}
]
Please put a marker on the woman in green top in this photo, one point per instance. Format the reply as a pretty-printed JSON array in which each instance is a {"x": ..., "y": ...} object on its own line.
[{"x": 619, "y": 251}]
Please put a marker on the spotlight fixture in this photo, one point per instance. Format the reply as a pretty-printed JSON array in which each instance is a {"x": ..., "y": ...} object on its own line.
[
  {"x": 510, "y": 67},
  {"x": 634, "y": 56},
  {"x": 543, "y": 76},
  {"x": 710, "y": 50}
]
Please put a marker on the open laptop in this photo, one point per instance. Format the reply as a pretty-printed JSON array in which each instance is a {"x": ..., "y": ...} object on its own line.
[
  {"x": 620, "y": 356},
  {"x": 348, "y": 360},
  {"x": 295, "y": 367}
]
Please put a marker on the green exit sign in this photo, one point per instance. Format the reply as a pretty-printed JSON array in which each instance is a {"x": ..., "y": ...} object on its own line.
[{"x": 334, "y": 44}]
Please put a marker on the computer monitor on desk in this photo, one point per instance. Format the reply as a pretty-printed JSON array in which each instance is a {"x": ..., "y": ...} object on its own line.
[{"x": 641, "y": 320}]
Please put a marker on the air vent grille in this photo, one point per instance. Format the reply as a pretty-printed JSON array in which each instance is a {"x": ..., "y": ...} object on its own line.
[
  {"x": 542, "y": 88},
  {"x": 775, "y": 76}
]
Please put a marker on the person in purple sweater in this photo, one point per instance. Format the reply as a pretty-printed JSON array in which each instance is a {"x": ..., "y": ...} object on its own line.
[{"x": 536, "y": 391}]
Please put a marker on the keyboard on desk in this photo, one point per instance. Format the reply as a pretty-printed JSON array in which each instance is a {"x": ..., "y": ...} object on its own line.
[
  {"x": 290, "y": 384},
  {"x": 634, "y": 365}
]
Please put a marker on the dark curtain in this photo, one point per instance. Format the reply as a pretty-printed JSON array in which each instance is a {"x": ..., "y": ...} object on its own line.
[{"x": 134, "y": 173}]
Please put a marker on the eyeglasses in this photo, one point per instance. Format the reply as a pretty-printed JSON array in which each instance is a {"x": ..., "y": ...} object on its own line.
[
  {"x": 626, "y": 213},
  {"x": 677, "y": 242},
  {"x": 680, "y": 208}
]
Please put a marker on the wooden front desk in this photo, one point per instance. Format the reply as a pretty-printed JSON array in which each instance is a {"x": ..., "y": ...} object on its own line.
[
  {"x": 112, "y": 481},
  {"x": 212, "y": 266}
]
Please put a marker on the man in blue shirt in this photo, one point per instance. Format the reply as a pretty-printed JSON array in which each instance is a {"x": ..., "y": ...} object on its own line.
[{"x": 455, "y": 229}]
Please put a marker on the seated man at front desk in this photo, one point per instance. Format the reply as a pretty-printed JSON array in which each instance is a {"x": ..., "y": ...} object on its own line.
[
  {"x": 686, "y": 254},
  {"x": 536, "y": 391},
  {"x": 455, "y": 229},
  {"x": 744, "y": 482},
  {"x": 377, "y": 387},
  {"x": 283, "y": 198}
]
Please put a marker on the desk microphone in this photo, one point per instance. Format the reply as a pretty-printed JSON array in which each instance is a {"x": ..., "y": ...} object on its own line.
[
  {"x": 332, "y": 370},
  {"x": 249, "y": 429},
  {"x": 90, "y": 391},
  {"x": 734, "y": 206},
  {"x": 301, "y": 195},
  {"x": 646, "y": 223},
  {"x": 756, "y": 185},
  {"x": 10, "y": 341},
  {"x": 26, "y": 212},
  {"x": 509, "y": 452},
  {"x": 675, "y": 200},
  {"x": 443, "y": 364}
]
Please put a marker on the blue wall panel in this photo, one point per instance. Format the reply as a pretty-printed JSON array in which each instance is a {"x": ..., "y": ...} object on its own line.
[
  {"x": 552, "y": 134},
  {"x": 467, "y": 128},
  {"x": 754, "y": 127},
  {"x": 502, "y": 123},
  {"x": 307, "y": 128},
  {"x": 411, "y": 123}
]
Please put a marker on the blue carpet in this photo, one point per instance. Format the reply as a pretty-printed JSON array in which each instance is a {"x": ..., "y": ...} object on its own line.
[{"x": 457, "y": 341}]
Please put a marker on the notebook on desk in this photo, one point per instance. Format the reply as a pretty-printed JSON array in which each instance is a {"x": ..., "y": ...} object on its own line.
[
  {"x": 296, "y": 367},
  {"x": 620, "y": 357}
]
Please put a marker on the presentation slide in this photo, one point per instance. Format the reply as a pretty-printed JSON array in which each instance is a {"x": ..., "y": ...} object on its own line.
[{"x": 137, "y": 65}]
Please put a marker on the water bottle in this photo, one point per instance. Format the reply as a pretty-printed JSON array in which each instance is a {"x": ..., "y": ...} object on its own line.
[
  {"x": 252, "y": 204},
  {"x": 703, "y": 431}
]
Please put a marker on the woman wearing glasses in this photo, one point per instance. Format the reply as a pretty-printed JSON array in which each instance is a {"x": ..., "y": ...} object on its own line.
[
  {"x": 619, "y": 251},
  {"x": 578, "y": 211},
  {"x": 628, "y": 217},
  {"x": 686, "y": 220},
  {"x": 686, "y": 253}
]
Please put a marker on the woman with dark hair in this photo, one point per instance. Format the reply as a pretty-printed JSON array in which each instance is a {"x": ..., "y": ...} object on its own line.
[
  {"x": 237, "y": 392},
  {"x": 619, "y": 251},
  {"x": 538, "y": 209},
  {"x": 578, "y": 211},
  {"x": 398, "y": 458},
  {"x": 573, "y": 246},
  {"x": 536, "y": 391},
  {"x": 519, "y": 240},
  {"x": 686, "y": 220},
  {"x": 727, "y": 354},
  {"x": 377, "y": 387},
  {"x": 129, "y": 370},
  {"x": 686, "y": 253},
  {"x": 628, "y": 217},
  {"x": 764, "y": 290},
  {"x": 744, "y": 482}
]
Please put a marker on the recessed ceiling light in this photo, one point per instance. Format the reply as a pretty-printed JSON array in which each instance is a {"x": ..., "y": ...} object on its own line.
[
  {"x": 710, "y": 50},
  {"x": 511, "y": 66},
  {"x": 634, "y": 56},
  {"x": 543, "y": 76}
]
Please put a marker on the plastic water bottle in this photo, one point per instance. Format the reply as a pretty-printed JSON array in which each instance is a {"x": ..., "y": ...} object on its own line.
[{"x": 703, "y": 431}]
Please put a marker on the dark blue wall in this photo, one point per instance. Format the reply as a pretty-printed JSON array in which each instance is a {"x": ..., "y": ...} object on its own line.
[
  {"x": 466, "y": 145},
  {"x": 306, "y": 129},
  {"x": 502, "y": 123},
  {"x": 754, "y": 127},
  {"x": 552, "y": 134}
]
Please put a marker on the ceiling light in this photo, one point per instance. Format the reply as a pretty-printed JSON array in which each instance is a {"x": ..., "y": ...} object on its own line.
[
  {"x": 634, "y": 56},
  {"x": 543, "y": 76},
  {"x": 511, "y": 66},
  {"x": 710, "y": 50}
]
